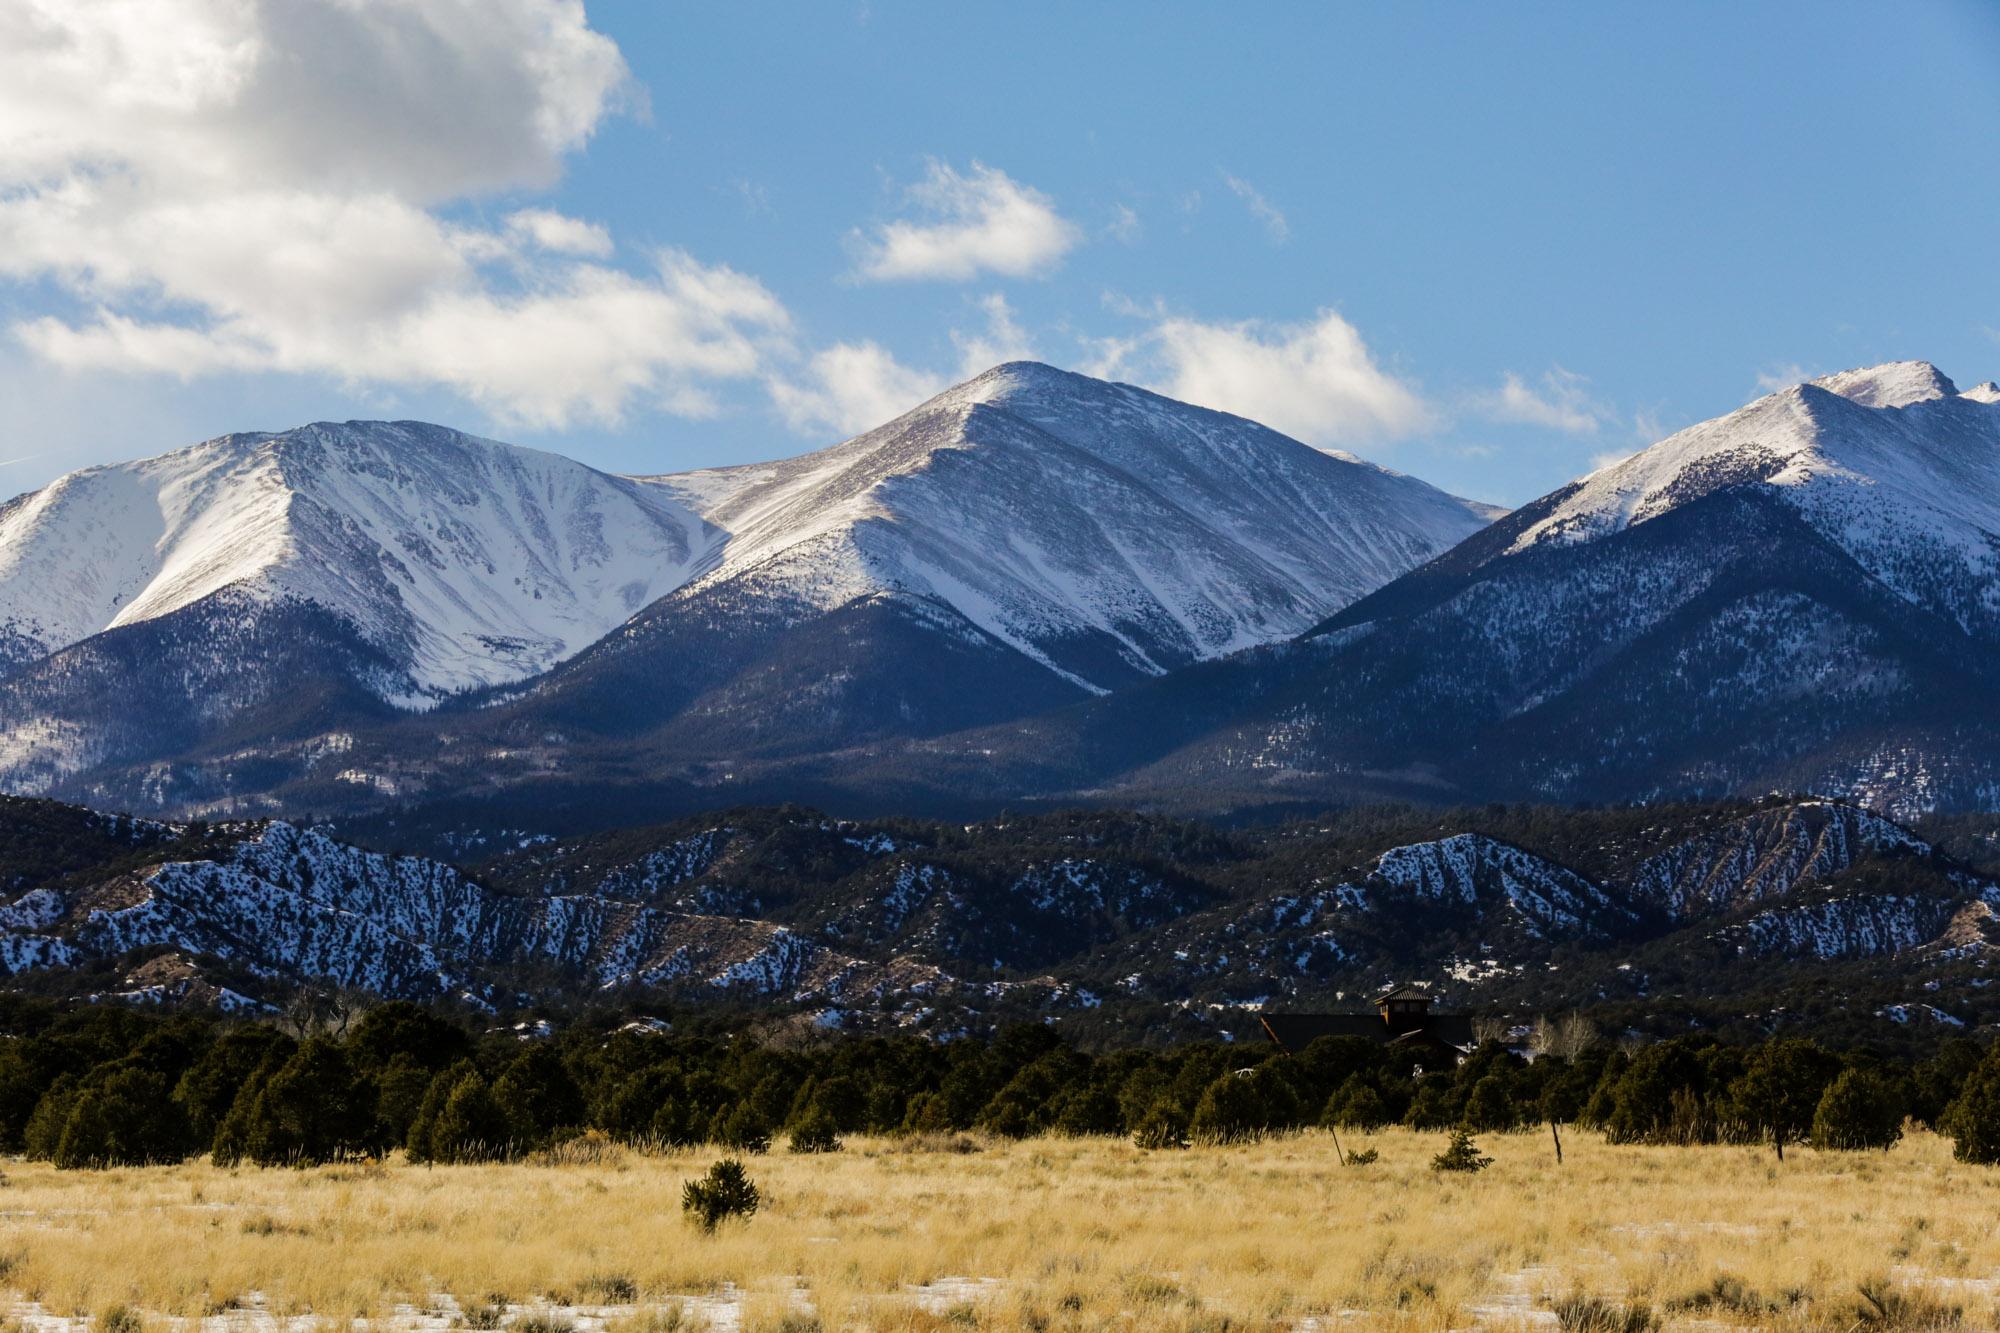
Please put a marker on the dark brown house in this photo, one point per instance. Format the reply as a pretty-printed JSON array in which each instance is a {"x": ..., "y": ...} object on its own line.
[{"x": 1402, "y": 1018}]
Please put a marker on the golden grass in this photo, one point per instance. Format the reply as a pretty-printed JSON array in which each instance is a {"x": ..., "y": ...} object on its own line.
[{"x": 1070, "y": 1234}]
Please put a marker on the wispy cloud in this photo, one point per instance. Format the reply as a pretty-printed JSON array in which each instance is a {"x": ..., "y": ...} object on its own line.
[
  {"x": 1003, "y": 339},
  {"x": 1124, "y": 225},
  {"x": 850, "y": 387},
  {"x": 1561, "y": 400},
  {"x": 1261, "y": 208},
  {"x": 1780, "y": 377}
]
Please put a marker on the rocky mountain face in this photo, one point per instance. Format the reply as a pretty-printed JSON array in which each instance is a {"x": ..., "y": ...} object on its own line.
[
  {"x": 1149, "y": 924},
  {"x": 344, "y": 612},
  {"x": 1798, "y": 596}
]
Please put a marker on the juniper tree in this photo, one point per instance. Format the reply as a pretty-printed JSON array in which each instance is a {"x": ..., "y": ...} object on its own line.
[{"x": 1859, "y": 1109}]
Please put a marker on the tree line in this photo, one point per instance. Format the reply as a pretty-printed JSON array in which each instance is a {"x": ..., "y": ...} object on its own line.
[{"x": 110, "y": 1086}]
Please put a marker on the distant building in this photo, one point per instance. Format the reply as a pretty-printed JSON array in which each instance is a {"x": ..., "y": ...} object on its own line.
[{"x": 1402, "y": 1018}]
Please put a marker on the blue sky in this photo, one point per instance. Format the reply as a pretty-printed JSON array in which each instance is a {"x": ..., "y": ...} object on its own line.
[{"x": 1489, "y": 245}]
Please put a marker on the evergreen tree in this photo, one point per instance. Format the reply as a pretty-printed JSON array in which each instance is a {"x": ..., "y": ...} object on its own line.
[
  {"x": 1780, "y": 1089},
  {"x": 1164, "y": 1126},
  {"x": 124, "y": 1117},
  {"x": 1490, "y": 1106},
  {"x": 399, "y": 1087},
  {"x": 1859, "y": 1109},
  {"x": 209, "y": 1087},
  {"x": 469, "y": 1125},
  {"x": 1090, "y": 1109},
  {"x": 1973, "y": 1118},
  {"x": 1358, "y": 1106},
  {"x": 539, "y": 1096},
  {"x": 741, "y": 1128},
  {"x": 928, "y": 1113},
  {"x": 42, "y": 1135},
  {"x": 307, "y": 1110},
  {"x": 725, "y": 1192},
  {"x": 814, "y": 1133},
  {"x": 1461, "y": 1154},
  {"x": 1230, "y": 1111}
]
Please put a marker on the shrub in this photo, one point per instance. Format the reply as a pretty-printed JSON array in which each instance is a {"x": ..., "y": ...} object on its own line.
[
  {"x": 542, "y": 1321},
  {"x": 1356, "y": 1106},
  {"x": 1363, "y": 1157},
  {"x": 814, "y": 1132},
  {"x": 725, "y": 1192},
  {"x": 1461, "y": 1154},
  {"x": 928, "y": 1113},
  {"x": 1882, "y": 1306},
  {"x": 1230, "y": 1111},
  {"x": 741, "y": 1128},
  {"x": 120, "y": 1319},
  {"x": 1581, "y": 1313},
  {"x": 1860, "y": 1109},
  {"x": 1491, "y": 1105},
  {"x": 1161, "y": 1127},
  {"x": 609, "y": 1288}
]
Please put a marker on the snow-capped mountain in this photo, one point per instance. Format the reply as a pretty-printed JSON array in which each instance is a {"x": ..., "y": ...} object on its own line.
[
  {"x": 1892, "y": 465},
  {"x": 262, "y": 609},
  {"x": 1101, "y": 530},
  {"x": 1801, "y": 595},
  {"x": 463, "y": 561}
]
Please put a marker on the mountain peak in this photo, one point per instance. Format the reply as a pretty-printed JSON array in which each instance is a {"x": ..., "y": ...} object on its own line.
[
  {"x": 468, "y": 562},
  {"x": 1891, "y": 384}
]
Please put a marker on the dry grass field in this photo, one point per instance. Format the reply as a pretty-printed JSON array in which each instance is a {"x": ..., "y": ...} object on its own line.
[{"x": 1043, "y": 1234}]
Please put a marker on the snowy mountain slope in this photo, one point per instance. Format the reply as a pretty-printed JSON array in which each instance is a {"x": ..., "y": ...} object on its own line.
[
  {"x": 464, "y": 562},
  {"x": 1023, "y": 540},
  {"x": 1100, "y": 530},
  {"x": 286, "y": 905},
  {"x": 1890, "y": 464},
  {"x": 1798, "y": 596},
  {"x": 940, "y": 925},
  {"x": 1763, "y": 856}
]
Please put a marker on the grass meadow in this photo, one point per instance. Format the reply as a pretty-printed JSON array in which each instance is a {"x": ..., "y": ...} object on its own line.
[{"x": 1037, "y": 1234}]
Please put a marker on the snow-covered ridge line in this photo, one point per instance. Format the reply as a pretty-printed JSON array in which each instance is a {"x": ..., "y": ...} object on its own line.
[
  {"x": 1890, "y": 463},
  {"x": 467, "y": 562},
  {"x": 1042, "y": 507}
]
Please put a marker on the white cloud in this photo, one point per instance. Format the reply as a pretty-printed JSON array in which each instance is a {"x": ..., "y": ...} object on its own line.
[
  {"x": 1124, "y": 226},
  {"x": 221, "y": 185},
  {"x": 1778, "y": 378},
  {"x": 849, "y": 388},
  {"x": 559, "y": 234},
  {"x": 1562, "y": 402},
  {"x": 981, "y": 221},
  {"x": 1315, "y": 380},
  {"x": 1266, "y": 212},
  {"x": 1002, "y": 340}
]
